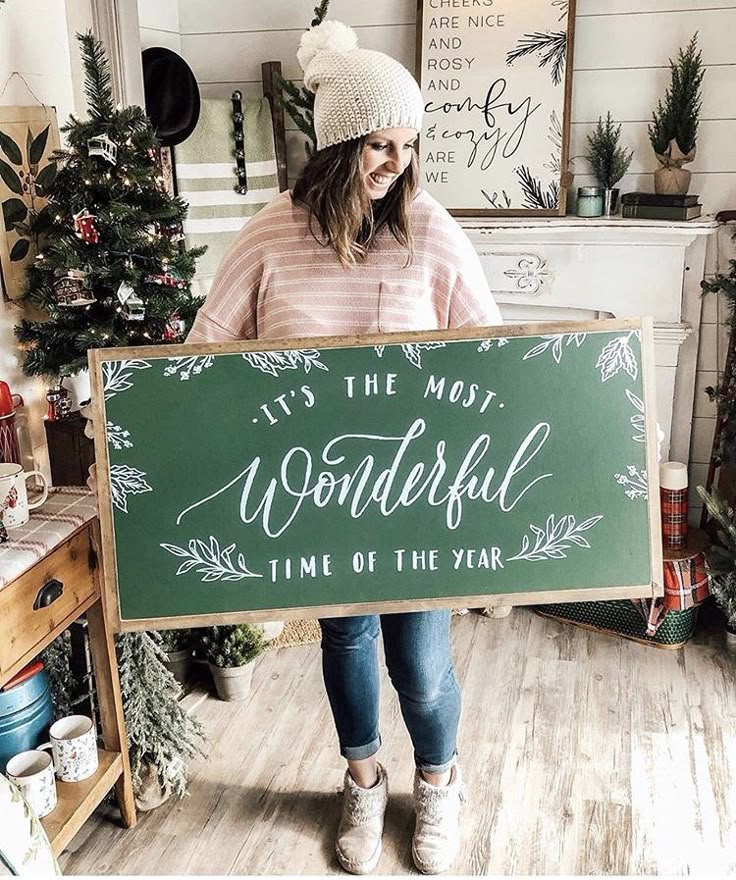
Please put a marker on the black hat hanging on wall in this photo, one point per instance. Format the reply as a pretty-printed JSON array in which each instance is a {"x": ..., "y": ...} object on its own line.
[{"x": 172, "y": 95}]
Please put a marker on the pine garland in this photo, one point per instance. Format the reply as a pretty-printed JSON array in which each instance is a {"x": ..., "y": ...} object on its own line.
[
  {"x": 608, "y": 161},
  {"x": 677, "y": 118},
  {"x": 137, "y": 223},
  {"x": 299, "y": 102}
]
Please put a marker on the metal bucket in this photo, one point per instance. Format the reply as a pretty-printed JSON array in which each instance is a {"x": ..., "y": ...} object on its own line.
[{"x": 26, "y": 713}]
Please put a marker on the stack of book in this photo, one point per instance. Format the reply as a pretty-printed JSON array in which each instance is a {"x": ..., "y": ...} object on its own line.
[{"x": 650, "y": 206}]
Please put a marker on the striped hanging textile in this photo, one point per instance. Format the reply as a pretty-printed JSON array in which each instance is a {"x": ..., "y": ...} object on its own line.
[{"x": 206, "y": 174}]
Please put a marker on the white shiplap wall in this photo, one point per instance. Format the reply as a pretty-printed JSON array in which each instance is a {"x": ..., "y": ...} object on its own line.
[{"x": 621, "y": 64}]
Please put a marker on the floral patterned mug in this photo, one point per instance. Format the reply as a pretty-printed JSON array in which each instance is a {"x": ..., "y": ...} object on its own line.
[
  {"x": 33, "y": 773},
  {"x": 14, "y": 504},
  {"x": 74, "y": 747}
]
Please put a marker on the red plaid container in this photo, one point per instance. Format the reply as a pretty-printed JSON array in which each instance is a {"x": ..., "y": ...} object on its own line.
[{"x": 673, "y": 502}]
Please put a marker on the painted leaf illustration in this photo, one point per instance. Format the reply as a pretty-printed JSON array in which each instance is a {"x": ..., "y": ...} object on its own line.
[
  {"x": 10, "y": 148},
  {"x": 14, "y": 211},
  {"x": 124, "y": 481},
  {"x": 617, "y": 355},
  {"x": 37, "y": 146},
  {"x": 20, "y": 250},
  {"x": 46, "y": 177},
  {"x": 10, "y": 177}
]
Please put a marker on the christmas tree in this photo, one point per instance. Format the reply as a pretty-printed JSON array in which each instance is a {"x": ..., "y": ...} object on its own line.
[
  {"x": 113, "y": 271},
  {"x": 299, "y": 102},
  {"x": 162, "y": 738}
]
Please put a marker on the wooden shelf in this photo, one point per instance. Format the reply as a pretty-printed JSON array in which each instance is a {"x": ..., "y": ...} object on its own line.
[{"x": 77, "y": 800}]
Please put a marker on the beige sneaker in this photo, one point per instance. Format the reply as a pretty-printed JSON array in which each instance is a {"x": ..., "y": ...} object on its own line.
[
  {"x": 437, "y": 832},
  {"x": 358, "y": 846}
]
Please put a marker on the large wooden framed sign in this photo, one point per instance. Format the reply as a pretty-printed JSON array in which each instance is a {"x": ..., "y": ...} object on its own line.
[
  {"x": 496, "y": 76},
  {"x": 333, "y": 476}
]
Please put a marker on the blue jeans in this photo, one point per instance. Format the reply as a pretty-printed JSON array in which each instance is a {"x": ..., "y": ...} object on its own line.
[{"x": 417, "y": 649}]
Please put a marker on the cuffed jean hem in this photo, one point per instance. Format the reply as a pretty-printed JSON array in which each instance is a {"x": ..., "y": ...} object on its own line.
[
  {"x": 436, "y": 768},
  {"x": 358, "y": 753}
]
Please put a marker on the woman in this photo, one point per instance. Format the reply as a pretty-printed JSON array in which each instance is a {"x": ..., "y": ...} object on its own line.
[{"x": 357, "y": 248}]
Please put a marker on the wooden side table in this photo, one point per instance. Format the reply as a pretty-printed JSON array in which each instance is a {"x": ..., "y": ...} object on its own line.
[{"x": 49, "y": 575}]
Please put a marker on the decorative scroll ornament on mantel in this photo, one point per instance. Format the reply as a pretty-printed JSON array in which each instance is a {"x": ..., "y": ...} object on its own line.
[{"x": 528, "y": 273}]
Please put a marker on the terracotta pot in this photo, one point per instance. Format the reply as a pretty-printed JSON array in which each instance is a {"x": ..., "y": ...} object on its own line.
[
  {"x": 232, "y": 684},
  {"x": 671, "y": 180}
]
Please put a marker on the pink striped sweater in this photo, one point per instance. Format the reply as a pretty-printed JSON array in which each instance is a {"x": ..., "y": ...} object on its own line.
[{"x": 278, "y": 281}]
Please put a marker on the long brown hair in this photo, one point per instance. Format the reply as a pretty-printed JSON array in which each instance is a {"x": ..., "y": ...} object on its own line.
[{"x": 332, "y": 189}]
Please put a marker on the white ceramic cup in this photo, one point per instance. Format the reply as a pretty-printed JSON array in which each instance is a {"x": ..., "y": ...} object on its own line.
[
  {"x": 74, "y": 747},
  {"x": 14, "y": 504},
  {"x": 33, "y": 773}
]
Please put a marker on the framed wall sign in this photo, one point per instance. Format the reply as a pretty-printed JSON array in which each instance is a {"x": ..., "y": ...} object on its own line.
[
  {"x": 496, "y": 76},
  {"x": 352, "y": 475}
]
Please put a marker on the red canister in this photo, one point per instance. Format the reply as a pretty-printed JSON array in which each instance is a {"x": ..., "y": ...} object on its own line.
[
  {"x": 673, "y": 501},
  {"x": 9, "y": 446}
]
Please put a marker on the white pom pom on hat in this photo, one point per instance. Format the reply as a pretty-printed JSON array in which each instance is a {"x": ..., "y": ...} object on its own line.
[
  {"x": 357, "y": 91},
  {"x": 330, "y": 36}
]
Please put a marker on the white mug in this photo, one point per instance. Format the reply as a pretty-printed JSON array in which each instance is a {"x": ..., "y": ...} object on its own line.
[
  {"x": 74, "y": 746},
  {"x": 33, "y": 773},
  {"x": 14, "y": 506}
]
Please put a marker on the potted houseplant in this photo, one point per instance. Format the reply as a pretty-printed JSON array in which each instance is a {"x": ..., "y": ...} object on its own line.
[
  {"x": 608, "y": 160},
  {"x": 720, "y": 558},
  {"x": 177, "y": 645},
  {"x": 230, "y": 650},
  {"x": 674, "y": 129}
]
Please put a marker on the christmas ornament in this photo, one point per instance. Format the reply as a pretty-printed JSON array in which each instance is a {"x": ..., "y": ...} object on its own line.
[
  {"x": 59, "y": 403},
  {"x": 175, "y": 328},
  {"x": 167, "y": 279},
  {"x": 70, "y": 288},
  {"x": 172, "y": 231},
  {"x": 103, "y": 146},
  {"x": 134, "y": 308},
  {"x": 85, "y": 227}
]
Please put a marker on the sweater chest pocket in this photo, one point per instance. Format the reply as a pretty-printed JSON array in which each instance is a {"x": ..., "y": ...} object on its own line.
[{"x": 406, "y": 305}]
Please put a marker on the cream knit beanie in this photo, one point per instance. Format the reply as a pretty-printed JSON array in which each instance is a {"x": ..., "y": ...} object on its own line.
[{"x": 357, "y": 91}]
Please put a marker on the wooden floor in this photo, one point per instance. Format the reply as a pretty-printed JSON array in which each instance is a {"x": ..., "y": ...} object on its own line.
[{"x": 583, "y": 754}]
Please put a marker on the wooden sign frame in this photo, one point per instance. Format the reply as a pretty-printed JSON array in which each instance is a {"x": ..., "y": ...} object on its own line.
[
  {"x": 97, "y": 357},
  {"x": 482, "y": 209}
]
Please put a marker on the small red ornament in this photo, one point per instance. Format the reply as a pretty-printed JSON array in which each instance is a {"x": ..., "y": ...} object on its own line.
[
  {"x": 86, "y": 227},
  {"x": 175, "y": 329}
]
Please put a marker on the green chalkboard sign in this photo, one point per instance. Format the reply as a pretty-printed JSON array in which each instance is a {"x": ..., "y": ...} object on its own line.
[{"x": 336, "y": 476}]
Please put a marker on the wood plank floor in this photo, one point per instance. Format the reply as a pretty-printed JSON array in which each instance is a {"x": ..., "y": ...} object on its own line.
[{"x": 582, "y": 753}]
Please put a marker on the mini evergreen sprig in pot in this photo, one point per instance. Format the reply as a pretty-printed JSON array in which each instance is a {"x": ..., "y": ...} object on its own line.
[{"x": 608, "y": 160}]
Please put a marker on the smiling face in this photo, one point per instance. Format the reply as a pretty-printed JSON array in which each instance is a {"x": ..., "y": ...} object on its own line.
[{"x": 386, "y": 155}]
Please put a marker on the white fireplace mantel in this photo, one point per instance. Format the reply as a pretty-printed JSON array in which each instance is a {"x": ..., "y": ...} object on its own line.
[{"x": 570, "y": 268}]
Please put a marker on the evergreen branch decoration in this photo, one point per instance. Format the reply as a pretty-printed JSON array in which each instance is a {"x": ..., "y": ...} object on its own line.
[
  {"x": 676, "y": 118},
  {"x": 608, "y": 161},
  {"x": 97, "y": 78},
  {"x": 724, "y": 394},
  {"x": 720, "y": 556},
  {"x": 555, "y": 538},
  {"x": 551, "y": 46},
  {"x": 534, "y": 195},
  {"x": 214, "y": 562}
]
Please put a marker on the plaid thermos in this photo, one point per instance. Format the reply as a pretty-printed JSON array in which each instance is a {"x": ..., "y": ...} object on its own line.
[{"x": 673, "y": 499}]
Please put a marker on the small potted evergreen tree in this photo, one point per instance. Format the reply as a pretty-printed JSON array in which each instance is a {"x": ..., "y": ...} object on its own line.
[
  {"x": 230, "y": 651},
  {"x": 608, "y": 161},
  {"x": 720, "y": 560},
  {"x": 177, "y": 645},
  {"x": 674, "y": 129}
]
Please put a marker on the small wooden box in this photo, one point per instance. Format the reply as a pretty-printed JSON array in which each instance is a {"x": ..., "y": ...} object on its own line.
[{"x": 70, "y": 452}]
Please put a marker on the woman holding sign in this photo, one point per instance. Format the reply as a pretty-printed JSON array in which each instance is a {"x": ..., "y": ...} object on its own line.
[{"x": 358, "y": 248}]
